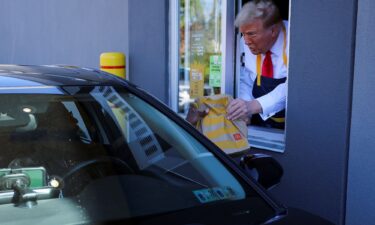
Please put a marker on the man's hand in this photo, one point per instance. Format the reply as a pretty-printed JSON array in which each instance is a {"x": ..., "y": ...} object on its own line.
[{"x": 239, "y": 108}]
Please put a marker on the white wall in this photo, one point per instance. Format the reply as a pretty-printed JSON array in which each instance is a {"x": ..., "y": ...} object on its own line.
[
  {"x": 148, "y": 46},
  {"x": 72, "y": 32},
  {"x": 76, "y": 32}
]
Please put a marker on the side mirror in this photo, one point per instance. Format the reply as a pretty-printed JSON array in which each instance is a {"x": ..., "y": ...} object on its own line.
[{"x": 269, "y": 171}]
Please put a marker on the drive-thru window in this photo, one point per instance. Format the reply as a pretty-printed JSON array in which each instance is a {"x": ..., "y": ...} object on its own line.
[{"x": 207, "y": 57}]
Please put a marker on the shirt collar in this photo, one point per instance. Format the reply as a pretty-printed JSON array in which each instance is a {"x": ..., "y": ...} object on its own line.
[{"x": 278, "y": 46}]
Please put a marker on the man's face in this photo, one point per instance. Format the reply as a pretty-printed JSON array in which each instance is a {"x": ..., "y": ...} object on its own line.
[{"x": 258, "y": 38}]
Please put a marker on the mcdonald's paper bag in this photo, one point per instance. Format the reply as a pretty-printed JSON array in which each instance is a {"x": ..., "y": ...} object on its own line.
[{"x": 230, "y": 136}]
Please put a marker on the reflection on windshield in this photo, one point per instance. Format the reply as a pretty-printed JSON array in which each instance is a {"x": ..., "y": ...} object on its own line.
[{"x": 106, "y": 152}]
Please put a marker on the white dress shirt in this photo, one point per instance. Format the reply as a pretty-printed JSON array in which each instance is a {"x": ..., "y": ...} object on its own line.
[{"x": 274, "y": 101}]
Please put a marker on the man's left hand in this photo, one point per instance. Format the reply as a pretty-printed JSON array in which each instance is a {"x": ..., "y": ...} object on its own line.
[{"x": 239, "y": 108}]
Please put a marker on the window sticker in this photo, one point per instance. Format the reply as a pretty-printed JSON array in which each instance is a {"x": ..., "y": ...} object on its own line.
[
  {"x": 214, "y": 194},
  {"x": 215, "y": 71},
  {"x": 196, "y": 80}
]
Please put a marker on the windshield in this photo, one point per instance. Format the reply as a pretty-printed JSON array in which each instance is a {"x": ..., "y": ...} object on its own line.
[{"x": 101, "y": 153}]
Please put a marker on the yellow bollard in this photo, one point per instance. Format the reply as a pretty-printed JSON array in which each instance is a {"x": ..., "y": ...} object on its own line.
[{"x": 113, "y": 62}]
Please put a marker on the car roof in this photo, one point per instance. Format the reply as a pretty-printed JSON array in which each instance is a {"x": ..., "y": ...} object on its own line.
[{"x": 52, "y": 75}]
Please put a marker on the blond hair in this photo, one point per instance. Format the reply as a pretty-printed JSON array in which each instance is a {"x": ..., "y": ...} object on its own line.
[{"x": 264, "y": 10}]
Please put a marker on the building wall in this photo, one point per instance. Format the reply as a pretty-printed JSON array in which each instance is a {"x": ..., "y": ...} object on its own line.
[
  {"x": 322, "y": 37},
  {"x": 73, "y": 32},
  {"x": 361, "y": 176},
  {"x": 148, "y": 46},
  {"x": 62, "y": 32}
]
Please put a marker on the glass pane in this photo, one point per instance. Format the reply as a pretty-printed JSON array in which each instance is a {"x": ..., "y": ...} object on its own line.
[{"x": 200, "y": 51}]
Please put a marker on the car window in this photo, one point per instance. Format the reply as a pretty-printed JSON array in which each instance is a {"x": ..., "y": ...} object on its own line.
[{"x": 108, "y": 153}]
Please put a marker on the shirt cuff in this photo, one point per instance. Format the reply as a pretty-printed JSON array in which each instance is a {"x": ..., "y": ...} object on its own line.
[{"x": 266, "y": 102}]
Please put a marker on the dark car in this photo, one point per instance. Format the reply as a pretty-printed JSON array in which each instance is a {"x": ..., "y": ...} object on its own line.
[{"x": 80, "y": 146}]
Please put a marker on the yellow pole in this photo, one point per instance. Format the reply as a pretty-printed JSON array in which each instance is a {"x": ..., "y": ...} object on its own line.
[{"x": 113, "y": 62}]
